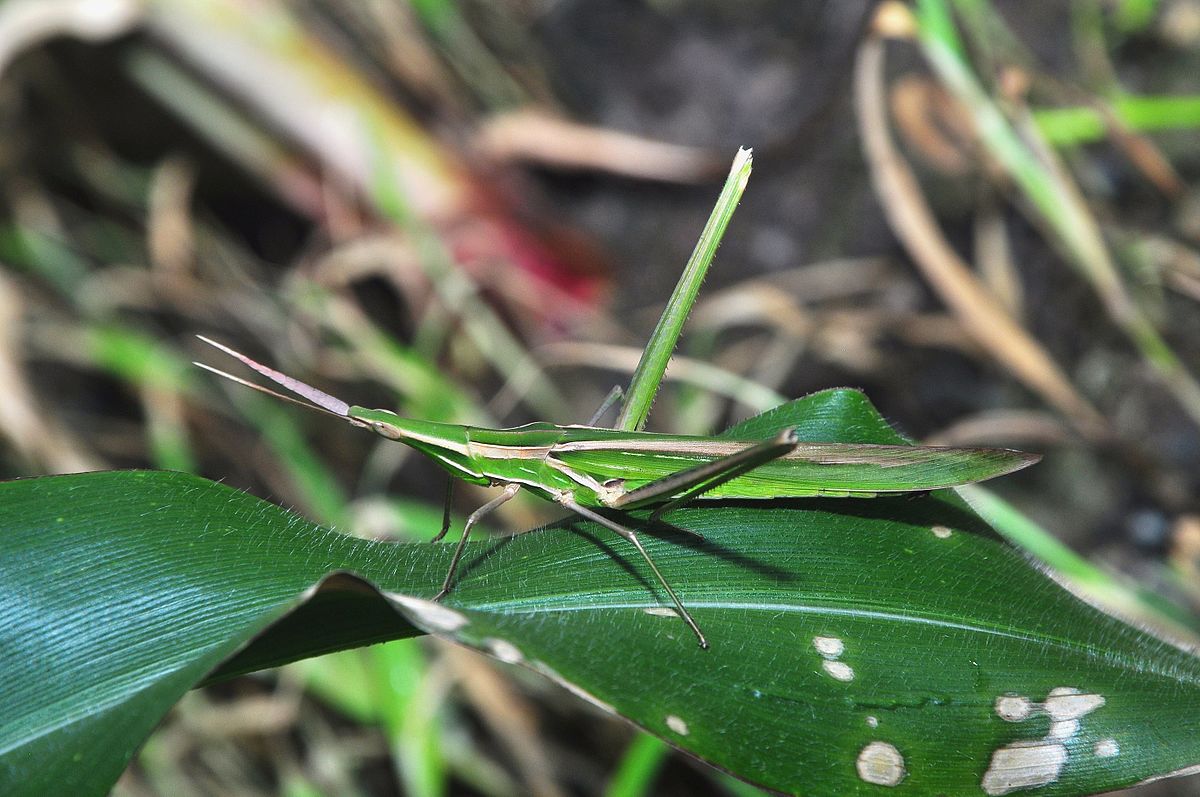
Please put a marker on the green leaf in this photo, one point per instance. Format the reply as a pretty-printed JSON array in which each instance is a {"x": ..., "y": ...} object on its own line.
[
  {"x": 855, "y": 643},
  {"x": 829, "y": 416}
]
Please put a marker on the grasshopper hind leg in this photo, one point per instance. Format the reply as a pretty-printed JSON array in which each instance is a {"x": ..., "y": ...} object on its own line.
[{"x": 631, "y": 536}]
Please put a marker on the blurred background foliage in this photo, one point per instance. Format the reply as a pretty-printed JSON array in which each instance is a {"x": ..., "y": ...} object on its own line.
[{"x": 984, "y": 214}]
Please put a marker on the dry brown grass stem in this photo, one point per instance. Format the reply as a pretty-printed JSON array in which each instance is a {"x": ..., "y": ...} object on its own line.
[
  {"x": 28, "y": 429},
  {"x": 1004, "y": 427},
  {"x": 982, "y": 316},
  {"x": 537, "y": 136},
  {"x": 509, "y": 716}
]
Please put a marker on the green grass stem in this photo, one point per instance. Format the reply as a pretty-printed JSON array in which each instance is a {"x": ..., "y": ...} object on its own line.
[{"x": 653, "y": 364}]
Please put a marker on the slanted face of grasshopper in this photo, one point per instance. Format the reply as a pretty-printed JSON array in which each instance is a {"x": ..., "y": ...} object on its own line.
[{"x": 587, "y": 468}]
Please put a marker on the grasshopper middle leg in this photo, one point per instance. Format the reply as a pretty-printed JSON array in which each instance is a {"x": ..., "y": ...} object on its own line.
[{"x": 479, "y": 514}]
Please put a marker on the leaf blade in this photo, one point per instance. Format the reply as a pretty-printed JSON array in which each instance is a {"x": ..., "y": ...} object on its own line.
[{"x": 848, "y": 637}]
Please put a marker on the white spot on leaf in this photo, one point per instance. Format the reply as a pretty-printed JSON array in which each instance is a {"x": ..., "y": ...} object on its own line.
[
  {"x": 434, "y": 615},
  {"x": 1107, "y": 748},
  {"x": 660, "y": 611},
  {"x": 880, "y": 763},
  {"x": 839, "y": 670},
  {"x": 941, "y": 532},
  {"x": 1032, "y": 763},
  {"x": 1024, "y": 765},
  {"x": 829, "y": 646},
  {"x": 1066, "y": 703},
  {"x": 504, "y": 650},
  {"x": 1013, "y": 708},
  {"x": 677, "y": 724},
  {"x": 872, "y": 722},
  {"x": 1061, "y": 730}
]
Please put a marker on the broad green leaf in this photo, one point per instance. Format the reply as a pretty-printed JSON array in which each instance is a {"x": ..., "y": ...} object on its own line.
[
  {"x": 839, "y": 416},
  {"x": 890, "y": 646}
]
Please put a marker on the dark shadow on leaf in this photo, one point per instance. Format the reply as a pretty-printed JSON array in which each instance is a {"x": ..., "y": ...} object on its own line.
[
  {"x": 350, "y": 613},
  {"x": 624, "y": 555},
  {"x": 915, "y": 509},
  {"x": 469, "y": 563},
  {"x": 704, "y": 545},
  {"x": 918, "y": 509}
]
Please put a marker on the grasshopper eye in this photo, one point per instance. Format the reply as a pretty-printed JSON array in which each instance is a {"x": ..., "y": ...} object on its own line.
[{"x": 385, "y": 430}]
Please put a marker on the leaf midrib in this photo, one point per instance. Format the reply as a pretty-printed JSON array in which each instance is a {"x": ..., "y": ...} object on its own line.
[{"x": 1107, "y": 655}]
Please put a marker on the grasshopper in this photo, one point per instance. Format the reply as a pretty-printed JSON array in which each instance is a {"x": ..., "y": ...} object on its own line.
[{"x": 592, "y": 470}]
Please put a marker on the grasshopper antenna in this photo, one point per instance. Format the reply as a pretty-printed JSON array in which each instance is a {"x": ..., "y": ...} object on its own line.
[{"x": 315, "y": 399}]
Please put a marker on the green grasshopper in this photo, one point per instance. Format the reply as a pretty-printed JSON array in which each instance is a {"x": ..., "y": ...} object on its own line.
[{"x": 589, "y": 469}]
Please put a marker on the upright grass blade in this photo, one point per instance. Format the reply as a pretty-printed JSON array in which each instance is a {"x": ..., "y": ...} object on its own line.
[
  {"x": 639, "y": 767},
  {"x": 644, "y": 385}
]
